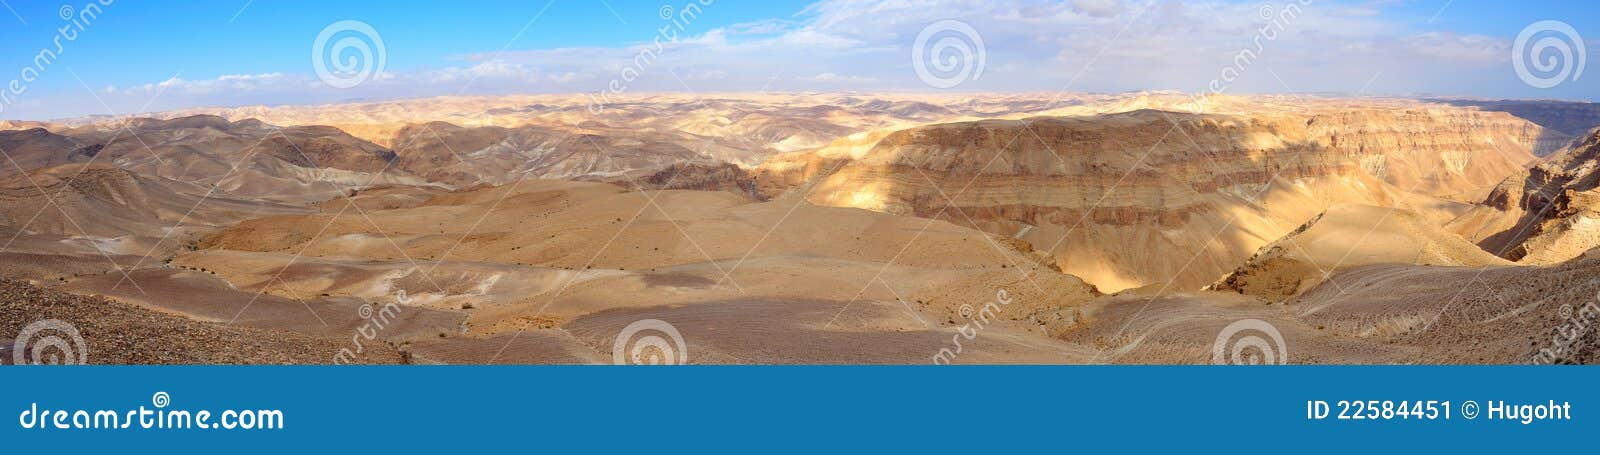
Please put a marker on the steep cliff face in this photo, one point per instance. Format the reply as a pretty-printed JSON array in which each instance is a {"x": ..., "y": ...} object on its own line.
[
  {"x": 1448, "y": 153},
  {"x": 1163, "y": 198},
  {"x": 1564, "y": 120},
  {"x": 1546, "y": 214}
]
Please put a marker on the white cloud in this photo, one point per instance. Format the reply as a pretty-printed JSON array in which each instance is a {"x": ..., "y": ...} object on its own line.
[
  {"x": 1459, "y": 47},
  {"x": 833, "y": 78},
  {"x": 710, "y": 75},
  {"x": 1098, "y": 8},
  {"x": 761, "y": 27}
]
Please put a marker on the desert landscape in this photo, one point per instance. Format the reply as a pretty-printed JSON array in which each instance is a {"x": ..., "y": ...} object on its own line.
[{"x": 811, "y": 227}]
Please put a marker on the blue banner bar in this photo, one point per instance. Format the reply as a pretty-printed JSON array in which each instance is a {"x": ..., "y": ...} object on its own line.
[{"x": 567, "y": 409}]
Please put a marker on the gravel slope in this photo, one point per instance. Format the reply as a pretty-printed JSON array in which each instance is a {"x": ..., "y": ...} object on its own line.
[{"x": 119, "y": 333}]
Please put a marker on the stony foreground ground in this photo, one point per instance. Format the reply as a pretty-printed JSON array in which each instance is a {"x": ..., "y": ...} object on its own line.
[{"x": 118, "y": 333}]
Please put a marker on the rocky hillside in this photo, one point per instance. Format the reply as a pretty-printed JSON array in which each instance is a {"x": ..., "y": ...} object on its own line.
[
  {"x": 1546, "y": 214},
  {"x": 105, "y": 201},
  {"x": 246, "y": 158},
  {"x": 36, "y": 148},
  {"x": 117, "y": 333},
  {"x": 464, "y": 156},
  {"x": 1153, "y": 197},
  {"x": 1565, "y": 119}
]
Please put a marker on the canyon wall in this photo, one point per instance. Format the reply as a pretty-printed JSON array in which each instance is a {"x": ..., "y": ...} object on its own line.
[{"x": 1162, "y": 198}]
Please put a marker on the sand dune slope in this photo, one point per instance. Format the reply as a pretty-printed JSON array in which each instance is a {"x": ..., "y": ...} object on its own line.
[{"x": 1348, "y": 236}]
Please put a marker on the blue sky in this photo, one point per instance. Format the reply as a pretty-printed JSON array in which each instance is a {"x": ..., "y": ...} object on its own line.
[{"x": 140, "y": 55}]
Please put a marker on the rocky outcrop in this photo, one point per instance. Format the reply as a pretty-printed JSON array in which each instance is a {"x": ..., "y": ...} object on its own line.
[
  {"x": 703, "y": 177},
  {"x": 1546, "y": 214}
]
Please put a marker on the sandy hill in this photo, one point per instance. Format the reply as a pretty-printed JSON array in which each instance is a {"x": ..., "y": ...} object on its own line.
[
  {"x": 7, "y": 125},
  {"x": 78, "y": 220},
  {"x": 247, "y": 158},
  {"x": 1126, "y": 200},
  {"x": 591, "y": 247},
  {"x": 490, "y": 155},
  {"x": 105, "y": 201},
  {"x": 35, "y": 148},
  {"x": 1348, "y": 236}
]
